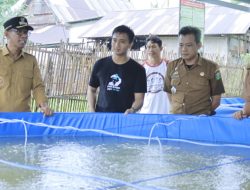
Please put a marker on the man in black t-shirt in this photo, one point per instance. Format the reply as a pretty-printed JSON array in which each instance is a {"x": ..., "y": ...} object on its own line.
[{"x": 121, "y": 80}]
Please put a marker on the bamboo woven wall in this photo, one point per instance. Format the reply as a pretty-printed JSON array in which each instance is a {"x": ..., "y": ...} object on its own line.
[{"x": 66, "y": 70}]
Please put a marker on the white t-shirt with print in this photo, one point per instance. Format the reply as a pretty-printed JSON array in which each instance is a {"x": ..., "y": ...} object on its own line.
[{"x": 156, "y": 99}]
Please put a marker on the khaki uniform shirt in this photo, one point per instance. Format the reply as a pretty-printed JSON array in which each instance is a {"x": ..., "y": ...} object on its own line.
[
  {"x": 192, "y": 88},
  {"x": 246, "y": 92},
  {"x": 17, "y": 80}
]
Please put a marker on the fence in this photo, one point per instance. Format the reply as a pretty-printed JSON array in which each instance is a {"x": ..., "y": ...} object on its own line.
[{"x": 66, "y": 68}]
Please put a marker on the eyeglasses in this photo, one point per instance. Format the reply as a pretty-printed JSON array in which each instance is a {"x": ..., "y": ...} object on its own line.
[{"x": 20, "y": 32}]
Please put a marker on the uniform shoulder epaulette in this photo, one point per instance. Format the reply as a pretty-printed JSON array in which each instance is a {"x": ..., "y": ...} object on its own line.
[{"x": 28, "y": 54}]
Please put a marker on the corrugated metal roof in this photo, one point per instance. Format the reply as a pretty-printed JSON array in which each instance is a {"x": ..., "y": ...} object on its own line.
[
  {"x": 222, "y": 20},
  {"x": 49, "y": 16},
  {"x": 78, "y": 10},
  {"x": 49, "y": 35},
  {"x": 142, "y": 22},
  {"x": 219, "y": 20},
  {"x": 39, "y": 14}
]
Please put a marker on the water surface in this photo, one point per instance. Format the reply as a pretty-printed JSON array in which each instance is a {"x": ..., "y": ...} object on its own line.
[{"x": 83, "y": 161}]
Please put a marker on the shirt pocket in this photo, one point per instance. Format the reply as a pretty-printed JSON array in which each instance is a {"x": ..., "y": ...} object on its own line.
[
  {"x": 202, "y": 81},
  {"x": 4, "y": 80},
  {"x": 178, "y": 104},
  {"x": 26, "y": 80},
  {"x": 3, "y": 72}
]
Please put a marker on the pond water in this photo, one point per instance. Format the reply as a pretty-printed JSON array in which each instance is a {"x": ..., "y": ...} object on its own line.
[{"x": 114, "y": 163}]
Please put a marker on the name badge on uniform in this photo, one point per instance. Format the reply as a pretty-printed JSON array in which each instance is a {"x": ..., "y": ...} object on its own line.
[
  {"x": 175, "y": 75},
  {"x": 173, "y": 90}
]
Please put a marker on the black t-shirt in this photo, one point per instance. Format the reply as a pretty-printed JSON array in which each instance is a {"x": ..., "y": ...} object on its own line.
[{"x": 117, "y": 83}]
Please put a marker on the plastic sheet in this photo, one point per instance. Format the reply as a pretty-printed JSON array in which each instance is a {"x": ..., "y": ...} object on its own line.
[{"x": 220, "y": 128}]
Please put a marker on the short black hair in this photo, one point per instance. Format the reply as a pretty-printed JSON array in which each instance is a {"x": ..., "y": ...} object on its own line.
[
  {"x": 191, "y": 30},
  {"x": 125, "y": 29},
  {"x": 154, "y": 39}
]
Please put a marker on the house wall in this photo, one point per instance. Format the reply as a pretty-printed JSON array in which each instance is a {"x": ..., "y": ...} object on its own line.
[
  {"x": 239, "y": 44},
  {"x": 213, "y": 45},
  {"x": 170, "y": 44},
  {"x": 217, "y": 45}
]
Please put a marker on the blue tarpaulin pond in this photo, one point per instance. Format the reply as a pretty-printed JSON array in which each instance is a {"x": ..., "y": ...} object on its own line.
[
  {"x": 220, "y": 128},
  {"x": 116, "y": 151}
]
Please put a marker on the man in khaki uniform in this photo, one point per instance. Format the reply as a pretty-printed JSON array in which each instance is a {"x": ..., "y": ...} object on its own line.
[
  {"x": 19, "y": 72},
  {"x": 193, "y": 83},
  {"x": 246, "y": 94}
]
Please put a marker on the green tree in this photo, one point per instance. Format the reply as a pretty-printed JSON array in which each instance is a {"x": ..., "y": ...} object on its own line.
[{"x": 246, "y": 59}]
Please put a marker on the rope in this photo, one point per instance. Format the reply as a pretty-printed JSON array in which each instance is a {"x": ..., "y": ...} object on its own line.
[
  {"x": 119, "y": 182},
  {"x": 185, "y": 172},
  {"x": 2, "y": 121},
  {"x": 168, "y": 124}
]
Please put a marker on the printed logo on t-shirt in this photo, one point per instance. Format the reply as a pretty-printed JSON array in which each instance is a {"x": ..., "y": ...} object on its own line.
[
  {"x": 155, "y": 82},
  {"x": 113, "y": 85}
]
